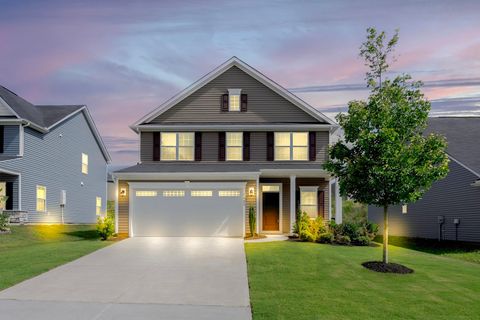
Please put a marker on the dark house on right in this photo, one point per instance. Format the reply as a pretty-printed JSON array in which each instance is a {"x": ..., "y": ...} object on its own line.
[{"x": 450, "y": 210}]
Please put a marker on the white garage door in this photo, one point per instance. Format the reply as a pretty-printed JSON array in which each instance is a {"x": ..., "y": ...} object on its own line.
[{"x": 187, "y": 209}]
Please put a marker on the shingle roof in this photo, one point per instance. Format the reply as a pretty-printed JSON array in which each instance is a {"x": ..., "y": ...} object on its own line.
[
  {"x": 43, "y": 116},
  {"x": 463, "y": 137}
]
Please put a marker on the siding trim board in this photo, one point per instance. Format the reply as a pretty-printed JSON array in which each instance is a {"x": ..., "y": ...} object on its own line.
[{"x": 235, "y": 62}]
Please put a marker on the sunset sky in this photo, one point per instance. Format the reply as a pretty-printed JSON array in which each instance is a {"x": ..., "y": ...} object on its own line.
[{"x": 124, "y": 58}]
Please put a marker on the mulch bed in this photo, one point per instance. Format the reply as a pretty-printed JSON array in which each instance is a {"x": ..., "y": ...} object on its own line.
[
  {"x": 256, "y": 237},
  {"x": 379, "y": 266}
]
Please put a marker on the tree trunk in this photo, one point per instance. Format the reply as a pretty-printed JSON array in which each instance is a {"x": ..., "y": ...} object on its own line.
[{"x": 385, "y": 234}]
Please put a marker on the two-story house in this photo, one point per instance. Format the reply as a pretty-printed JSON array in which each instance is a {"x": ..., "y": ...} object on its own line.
[
  {"x": 53, "y": 163},
  {"x": 233, "y": 140}
]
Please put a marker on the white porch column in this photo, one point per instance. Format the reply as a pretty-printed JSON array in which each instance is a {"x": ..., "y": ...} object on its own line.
[
  {"x": 116, "y": 204},
  {"x": 338, "y": 203},
  {"x": 258, "y": 204},
  {"x": 293, "y": 201}
]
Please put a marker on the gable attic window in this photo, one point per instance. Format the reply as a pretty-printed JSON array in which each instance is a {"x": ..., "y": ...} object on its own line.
[{"x": 234, "y": 99}]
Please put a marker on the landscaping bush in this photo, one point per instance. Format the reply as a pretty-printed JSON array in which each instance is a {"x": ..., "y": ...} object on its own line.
[
  {"x": 343, "y": 240},
  {"x": 326, "y": 237},
  {"x": 4, "y": 220},
  {"x": 252, "y": 220},
  {"x": 105, "y": 227}
]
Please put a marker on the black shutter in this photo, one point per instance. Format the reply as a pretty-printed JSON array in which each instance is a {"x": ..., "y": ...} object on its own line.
[
  {"x": 156, "y": 146},
  {"x": 243, "y": 102},
  {"x": 9, "y": 194},
  {"x": 270, "y": 146},
  {"x": 224, "y": 103},
  {"x": 312, "y": 146},
  {"x": 297, "y": 201},
  {"x": 2, "y": 135},
  {"x": 198, "y": 146},
  {"x": 221, "y": 146},
  {"x": 321, "y": 203},
  {"x": 246, "y": 146}
]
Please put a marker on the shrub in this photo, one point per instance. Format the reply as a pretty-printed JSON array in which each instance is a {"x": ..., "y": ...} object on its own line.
[
  {"x": 326, "y": 237},
  {"x": 252, "y": 220},
  {"x": 344, "y": 240},
  {"x": 105, "y": 227},
  {"x": 372, "y": 230},
  {"x": 362, "y": 241},
  {"x": 4, "y": 221},
  {"x": 309, "y": 229}
]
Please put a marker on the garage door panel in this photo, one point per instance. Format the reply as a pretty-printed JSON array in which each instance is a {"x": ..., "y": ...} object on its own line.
[{"x": 187, "y": 215}]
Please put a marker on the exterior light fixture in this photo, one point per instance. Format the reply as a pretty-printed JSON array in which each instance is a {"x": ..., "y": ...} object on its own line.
[
  {"x": 251, "y": 191},
  {"x": 123, "y": 192},
  {"x": 404, "y": 209}
]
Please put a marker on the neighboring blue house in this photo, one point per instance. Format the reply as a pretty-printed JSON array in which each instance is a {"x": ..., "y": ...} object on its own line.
[{"x": 53, "y": 163}]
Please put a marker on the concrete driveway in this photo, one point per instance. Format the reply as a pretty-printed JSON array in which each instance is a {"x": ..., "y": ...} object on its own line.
[{"x": 140, "y": 278}]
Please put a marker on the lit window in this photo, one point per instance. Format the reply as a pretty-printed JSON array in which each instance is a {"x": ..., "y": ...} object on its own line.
[
  {"x": 201, "y": 193},
  {"x": 234, "y": 99},
  {"x": 84, "y": 163},
  {"x": 234, "y": 146},
  {"x": 291, "y": 146},
  {"x": 98, "y": 206},
  {"x": 146, "y": 193},
  {"x": 309, "y": 201},
  {"x": 229, "y": 193},
  {"x": 174, "y": 193},
  {"x": 177, "y": 146},
  {"x": 41, "y": 199},
  {"x": 270, "y": 188}
]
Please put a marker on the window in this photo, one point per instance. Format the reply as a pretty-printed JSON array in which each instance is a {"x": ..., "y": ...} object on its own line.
[
  {"x": 177, "y": 146},
  {"x": 201, "y": 193},
  {"x": 291, "y": 146},
  {"x": 309, "y": 201},
  {"x": 146, "y": 193},
  {"x": 173, "y": 193},
  {"x": 41, "y": 199},
  {"x": 229, "y": 193},
  {"x": 84, "y": 163},
  {"x": 98, "y": 206},
  {"x": 234, "y": 146},
  {"x": 234, "y": 99},
  {"x": 270, "y": 188}
]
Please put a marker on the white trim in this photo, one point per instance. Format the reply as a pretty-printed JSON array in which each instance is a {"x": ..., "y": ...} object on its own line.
[
  {"x": 116, "y": 204},
  {"x": 148, "y": 176},
  {"x": 257, "y": 204},
  {"x": 237, "y": 147},
  {"x": 309, "y": 189},
  {"x": 19, "y": 195},
  {"x": 293, "y": 202},
  {"x": 300, "y": 173},
  {"x": 36, "y": 199},
  {"x": 21, "y": 146},
  {"x": 464, "y": 166},
  {"x": 237, "y": 93},
  {"x": 233, "y": 127},
  {"x": 330, "y": 200},
  {"x": 8, "y": 107},
  {"x": 234, "y": 61},
  {"x": 177, "y": 146},
  {"x": 280, "y": 207}
]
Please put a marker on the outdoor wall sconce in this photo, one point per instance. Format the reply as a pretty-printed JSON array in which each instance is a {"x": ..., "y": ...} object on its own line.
[
  {"x": 123, "y": 192},
  {"x": 251, "y": 191},
  {"x": 404, "y": 209}
]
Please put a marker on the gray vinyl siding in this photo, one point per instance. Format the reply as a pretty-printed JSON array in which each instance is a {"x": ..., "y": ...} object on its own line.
[
  {"x": 264, "y": 105},
  {"x": 452, "y": 197},
  {"x": 54, "y": 160},
  {"x": 15, "y": 179},
  {"x": 11, "y": 140},
  {"x": 258, "y": 147}
]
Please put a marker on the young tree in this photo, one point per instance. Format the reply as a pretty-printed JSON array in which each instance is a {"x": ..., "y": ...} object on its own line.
[{"x": 385, "y": 159}]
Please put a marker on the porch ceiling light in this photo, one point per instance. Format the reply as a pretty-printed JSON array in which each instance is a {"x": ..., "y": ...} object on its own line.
[{"x": 251, "y": 191}]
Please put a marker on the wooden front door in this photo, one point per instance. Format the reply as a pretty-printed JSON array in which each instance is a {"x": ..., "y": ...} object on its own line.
[{"x": 271, "y": 211}]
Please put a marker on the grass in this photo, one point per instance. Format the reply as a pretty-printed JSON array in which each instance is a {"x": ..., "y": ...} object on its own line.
[
  {"x": 31, "y": 250},
  {"x": 458, "y": 250},
  {"x": 295, "y": 280}
]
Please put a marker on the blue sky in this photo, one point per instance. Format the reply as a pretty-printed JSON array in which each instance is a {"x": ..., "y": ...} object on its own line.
[{"x": 124, "y": 58}]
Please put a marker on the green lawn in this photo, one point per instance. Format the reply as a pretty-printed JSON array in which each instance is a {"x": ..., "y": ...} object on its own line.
[
  {"x": 31, "y": 250},
  {"x": 293, "y": 280},
  {"x": 458, "y": 250}
]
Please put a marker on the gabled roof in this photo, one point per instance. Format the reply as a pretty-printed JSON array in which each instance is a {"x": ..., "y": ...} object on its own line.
[
  {"x": 43, "y": 118},
  {"x": 463, "y": 136},
  {"x": 234, "y": 61}
]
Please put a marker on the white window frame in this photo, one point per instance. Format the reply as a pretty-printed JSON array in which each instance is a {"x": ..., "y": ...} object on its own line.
[
  {"x": 146, "y": 193},
  {"x": 229, "y": 193},
  {"x": 201, "y": 193},
  {"x": 227, "y": 147},
  {"x": 173, "y": 193},
  {"x": 309, "y": 189},
  {"x": 237, "y": 94},
  {"x": 84, "y": 164},
  {"x": 177, "y": 146},
  {"x": 98, "y": 208},
  {"x": 292, "y": 146},
  {"x": 36, "y": 197}
]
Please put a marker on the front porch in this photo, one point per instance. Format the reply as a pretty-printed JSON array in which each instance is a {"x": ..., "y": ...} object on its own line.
[{"x": 277, "y": 200}]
